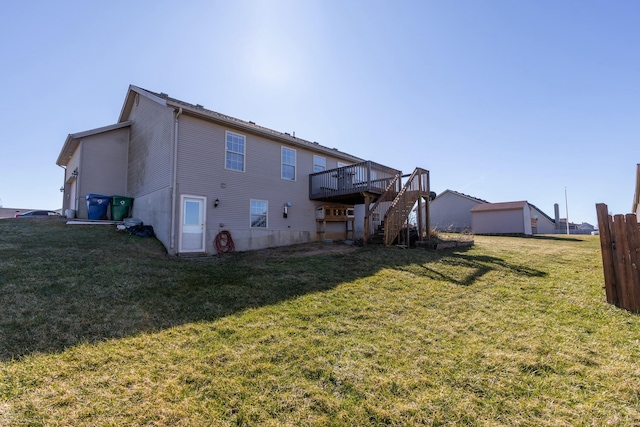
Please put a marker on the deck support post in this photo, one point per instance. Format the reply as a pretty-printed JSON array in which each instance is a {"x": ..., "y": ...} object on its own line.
[{"x": 367, "y": 214}]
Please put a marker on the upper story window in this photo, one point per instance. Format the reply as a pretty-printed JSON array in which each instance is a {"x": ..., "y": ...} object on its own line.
[
  {"x": 319, "y": 164},
  {"x": 288, "y": 164},
  {"x": 259, "y": 209},
  {"x": 234, "y": 152}
]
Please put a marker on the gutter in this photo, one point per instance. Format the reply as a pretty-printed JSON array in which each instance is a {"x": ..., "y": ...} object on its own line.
[{"x": 174, "y": 178}]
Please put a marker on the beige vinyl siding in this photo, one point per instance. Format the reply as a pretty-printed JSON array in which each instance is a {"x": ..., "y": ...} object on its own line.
[
  {"x": 500, "y": 222},
  {"x": 150, "y": 148},
  {"x": 201, "y": 171},
  {"x": 102, "y": 167},
  {"x": 451, "y": 212},
  {"x": 150, "y": 166},
  {"x": 544, "y": 224}
]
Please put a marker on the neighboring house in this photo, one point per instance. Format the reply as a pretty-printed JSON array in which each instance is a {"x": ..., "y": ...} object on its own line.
[
  {"x": 585, "y": 228},
  {"x": 193, "y": 173},
  {"x": 451, "y": 211},
  {"x": 541, "y": 223},
  {"x": 510, "y": 218}
]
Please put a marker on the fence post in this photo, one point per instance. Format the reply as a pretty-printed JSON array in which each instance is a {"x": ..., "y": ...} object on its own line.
[
  {"x": 623, "y": 278},
  {"x": 606, "y": 247},
  {"x": 633, "y": 246}
]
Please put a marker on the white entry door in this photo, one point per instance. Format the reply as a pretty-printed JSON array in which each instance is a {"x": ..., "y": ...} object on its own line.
[{"x": 192, "y": 226}]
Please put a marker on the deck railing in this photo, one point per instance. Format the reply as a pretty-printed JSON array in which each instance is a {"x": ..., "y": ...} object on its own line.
[{"x": 365, "y": 177}]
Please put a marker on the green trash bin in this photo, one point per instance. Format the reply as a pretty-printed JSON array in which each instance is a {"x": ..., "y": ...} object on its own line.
[{"x": 120, "y": 207}]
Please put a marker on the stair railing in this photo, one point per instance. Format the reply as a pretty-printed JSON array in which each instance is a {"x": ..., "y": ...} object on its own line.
[
  {"x": 398, "y": 212},
  {"x": 376, "y": 212}
]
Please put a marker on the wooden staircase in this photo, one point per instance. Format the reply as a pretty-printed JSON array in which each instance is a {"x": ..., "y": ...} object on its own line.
[{"x": 397, "y": 207}]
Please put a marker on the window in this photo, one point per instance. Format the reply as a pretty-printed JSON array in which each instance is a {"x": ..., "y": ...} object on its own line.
[
  {"x": 288, "y": 164},
  {"x": 319, "y": 164},
  {"x": 192, "y": 212},
  {"x": 341, "y": 165},
  {"x": 234, "y": 153},
  {"x": 259, "y": 213}
]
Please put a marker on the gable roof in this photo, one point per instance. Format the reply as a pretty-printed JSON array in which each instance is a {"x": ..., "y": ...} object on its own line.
[
  {"x": 466, "y": 196},
  {"x": 73, "y": 140},
  {"x": 210, "y": 115},
  {"x": 505, "y": 206}
]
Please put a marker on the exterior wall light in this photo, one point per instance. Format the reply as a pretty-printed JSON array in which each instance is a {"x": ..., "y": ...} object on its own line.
[
  {"x": 286, "y": 207},
  {"x": 216, "y": 202}
]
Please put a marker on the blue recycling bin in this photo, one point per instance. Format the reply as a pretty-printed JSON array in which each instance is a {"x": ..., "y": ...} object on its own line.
[{"x": 97, "y": 206}]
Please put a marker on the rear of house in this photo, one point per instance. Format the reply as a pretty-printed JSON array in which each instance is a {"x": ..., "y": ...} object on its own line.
[{"x": 194, "y": 173}]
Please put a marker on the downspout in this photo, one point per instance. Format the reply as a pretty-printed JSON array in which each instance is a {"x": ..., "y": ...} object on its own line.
[
  {"x": 174, "y": 178},
  {"x": 64, "y": 187}
]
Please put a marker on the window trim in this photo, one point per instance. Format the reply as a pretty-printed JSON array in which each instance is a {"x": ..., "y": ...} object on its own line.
[
  {"x": 314, "y": 163},
  {"x": 266, "y": 214},
  {"x": 282, "y": 163},
  {"x": 227, "y": 151}
]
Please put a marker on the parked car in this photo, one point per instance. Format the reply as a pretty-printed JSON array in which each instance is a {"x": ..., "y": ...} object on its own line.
[{"x": 39, "y": 214}]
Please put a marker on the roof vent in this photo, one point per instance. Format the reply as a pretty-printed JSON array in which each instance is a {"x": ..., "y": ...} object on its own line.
[
  {"x": 253, "y": 123},
  {"x": 199, "y": 107},
  {"x": 287, "y": 133},
  {"x": 163, "y": 95}
]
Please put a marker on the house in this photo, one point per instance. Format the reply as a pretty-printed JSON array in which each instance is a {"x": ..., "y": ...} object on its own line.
[
  {"x": 194, "y": 173},
  {"x": 451, "y": 211},
  {"x": 510, "y": 218},
  {"x": 541, "y": 223},
  {"x": 585, "y": 228}
]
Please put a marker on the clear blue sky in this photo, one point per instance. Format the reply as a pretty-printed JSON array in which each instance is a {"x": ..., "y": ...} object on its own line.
[{"x": 500, "y": 99}]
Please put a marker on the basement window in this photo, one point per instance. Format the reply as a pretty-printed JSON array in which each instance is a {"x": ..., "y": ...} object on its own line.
[{"x": 259, "y": 209}]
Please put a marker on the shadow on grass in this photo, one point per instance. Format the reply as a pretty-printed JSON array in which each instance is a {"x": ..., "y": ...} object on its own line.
[
  {"x": 562, "y": 239},
  {"x": 469, "y": 268},
  {"x": 64, "y": 285}
]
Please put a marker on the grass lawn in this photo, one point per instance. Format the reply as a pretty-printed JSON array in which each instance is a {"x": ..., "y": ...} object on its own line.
[{"x": 98, "y": 328}]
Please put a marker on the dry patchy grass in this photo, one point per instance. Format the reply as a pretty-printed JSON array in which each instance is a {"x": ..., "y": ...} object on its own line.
[{"x": 510, "y": 332}]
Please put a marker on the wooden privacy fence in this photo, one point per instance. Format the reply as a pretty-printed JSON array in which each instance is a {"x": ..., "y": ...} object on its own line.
[{"x": 620, "y": 244}]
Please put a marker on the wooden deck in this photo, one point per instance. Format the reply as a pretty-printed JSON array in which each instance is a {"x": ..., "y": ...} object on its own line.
[{"x": 351, "y": 184}]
